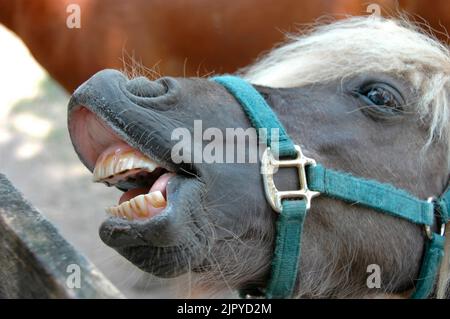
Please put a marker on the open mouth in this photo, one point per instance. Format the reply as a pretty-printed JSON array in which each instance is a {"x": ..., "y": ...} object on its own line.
[
  {"x": 159, "y": 221},
  {"x": 143, "y": 181}
]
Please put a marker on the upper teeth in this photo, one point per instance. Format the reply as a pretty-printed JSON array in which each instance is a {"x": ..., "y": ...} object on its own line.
[
  {"x": 110, "y": 165},
  {"x": 121, "y": 162}
]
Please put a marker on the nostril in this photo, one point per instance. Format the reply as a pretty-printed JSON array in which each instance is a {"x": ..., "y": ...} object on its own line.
[{"x": 143, "y": 87}]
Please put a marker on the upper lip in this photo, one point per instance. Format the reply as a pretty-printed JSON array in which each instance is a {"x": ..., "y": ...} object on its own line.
[
  {"x": 119, "y": 136},
  {"x": 127, "y": 117}
]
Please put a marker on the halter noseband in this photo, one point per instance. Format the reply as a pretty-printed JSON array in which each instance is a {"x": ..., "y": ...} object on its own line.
[{"x": 315, "y": 180}]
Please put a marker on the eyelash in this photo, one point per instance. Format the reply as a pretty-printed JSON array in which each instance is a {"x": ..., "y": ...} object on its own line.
[{"x": 393, "y": 107}]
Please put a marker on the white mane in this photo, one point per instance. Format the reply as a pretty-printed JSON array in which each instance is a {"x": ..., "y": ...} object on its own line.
[
  {"x": 365, "y": 45},
  {"x": 368, "y": 45}
]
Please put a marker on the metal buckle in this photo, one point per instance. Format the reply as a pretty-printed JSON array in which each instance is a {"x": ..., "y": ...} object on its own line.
[
  {"x": 273, "y": 195},
  {"x": 427, "y": 228}
]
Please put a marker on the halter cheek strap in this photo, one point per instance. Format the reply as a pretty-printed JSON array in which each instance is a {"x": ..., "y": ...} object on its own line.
[{"x": 315, "y": 180}]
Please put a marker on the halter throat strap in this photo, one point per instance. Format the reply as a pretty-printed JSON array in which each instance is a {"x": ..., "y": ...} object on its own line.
[{"x": 315, "y": 179}]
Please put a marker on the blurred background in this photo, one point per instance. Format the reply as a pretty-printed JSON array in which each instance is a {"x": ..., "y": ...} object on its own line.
[{"x": 49, "y": 47}]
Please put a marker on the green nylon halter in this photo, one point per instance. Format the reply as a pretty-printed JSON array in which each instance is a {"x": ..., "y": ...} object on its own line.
[{"x": 354, "y": 190}]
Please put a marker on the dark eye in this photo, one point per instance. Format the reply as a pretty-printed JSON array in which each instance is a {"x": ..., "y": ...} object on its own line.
[{"x": 381, "y": 99}]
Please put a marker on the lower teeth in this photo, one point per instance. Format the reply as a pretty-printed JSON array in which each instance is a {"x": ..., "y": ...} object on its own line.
[{"x": 139, "y": 206}]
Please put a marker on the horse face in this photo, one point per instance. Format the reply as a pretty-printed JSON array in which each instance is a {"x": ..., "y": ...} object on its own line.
[
  {"x": 208, "y": 205},
  {"x": 217, "y": 220}
]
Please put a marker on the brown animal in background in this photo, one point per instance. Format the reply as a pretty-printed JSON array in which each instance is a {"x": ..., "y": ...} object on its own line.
[{"x": 176, "y": 37}]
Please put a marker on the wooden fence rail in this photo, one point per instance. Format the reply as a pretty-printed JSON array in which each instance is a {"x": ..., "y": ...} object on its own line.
[{"x": 36, "y": 261}]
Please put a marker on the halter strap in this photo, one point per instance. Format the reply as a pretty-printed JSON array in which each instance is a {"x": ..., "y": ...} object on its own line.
[
  {"x": 372, "y": 194},
  {"x": 289, "y": 224},
  {"x": 259, "y": 112},
  {"x": 381, "y": 197}
]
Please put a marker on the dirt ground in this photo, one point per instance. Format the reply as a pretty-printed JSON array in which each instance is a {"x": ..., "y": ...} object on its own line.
[{"x": 37, "y": 156}]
